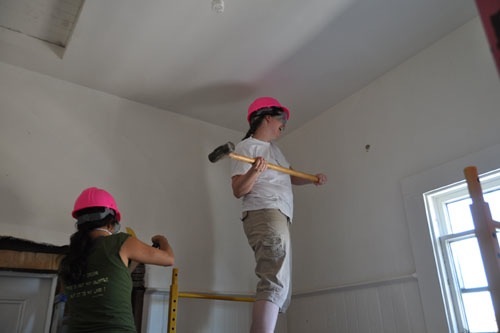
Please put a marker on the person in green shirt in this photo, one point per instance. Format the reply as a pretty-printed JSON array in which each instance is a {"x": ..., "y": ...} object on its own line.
[{"x": 96, "y": 271}]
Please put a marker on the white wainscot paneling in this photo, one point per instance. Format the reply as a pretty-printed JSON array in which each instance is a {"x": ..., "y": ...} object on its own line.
[{"x": 391, "y": 306}]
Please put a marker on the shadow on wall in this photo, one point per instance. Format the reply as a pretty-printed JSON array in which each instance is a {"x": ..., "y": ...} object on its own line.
[
  {"x": 201, "y": 231},
  {"x": 213, "y": 95},
  {"x": 157, "y": 167},
  {"x": 210, "y": 102},
  {"x": 15, "y": 211}
]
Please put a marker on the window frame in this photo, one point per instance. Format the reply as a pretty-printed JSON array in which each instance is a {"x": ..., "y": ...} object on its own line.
[
  {"x": 442, "y": 236},
  {"x": 413, "y": 186}
]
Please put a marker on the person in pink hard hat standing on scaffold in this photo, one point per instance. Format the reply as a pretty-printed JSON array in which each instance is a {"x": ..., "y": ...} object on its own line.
[{"x": 267, "y": 209}]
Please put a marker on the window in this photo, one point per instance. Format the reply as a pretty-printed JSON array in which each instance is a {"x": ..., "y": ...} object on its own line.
[{"x": 456, "y": 249}]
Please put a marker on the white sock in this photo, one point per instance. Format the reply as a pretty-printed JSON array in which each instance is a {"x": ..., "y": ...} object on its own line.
[{"x": 264, "y": 317}]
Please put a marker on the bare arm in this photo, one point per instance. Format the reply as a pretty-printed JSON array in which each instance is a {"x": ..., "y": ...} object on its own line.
[
  {"x": 242, "y": 184},
  {"x": 322, "y": 179},
  {"x": 136, "y": 250}
]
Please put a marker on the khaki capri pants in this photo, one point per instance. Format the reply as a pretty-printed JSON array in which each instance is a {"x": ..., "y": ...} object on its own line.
[{"x": 268, "y": 234}]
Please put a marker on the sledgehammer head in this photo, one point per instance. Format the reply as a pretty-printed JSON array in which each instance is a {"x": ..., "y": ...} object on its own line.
[{"x": 220, "y": 152}]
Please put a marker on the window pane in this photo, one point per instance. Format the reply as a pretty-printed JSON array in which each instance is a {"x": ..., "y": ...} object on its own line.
[
  {"x": 460, "y": 215},
  {"x": 493, "y": 200},
  {"x": 479, "y": 312},
  {"x": 468, "y": 263}
]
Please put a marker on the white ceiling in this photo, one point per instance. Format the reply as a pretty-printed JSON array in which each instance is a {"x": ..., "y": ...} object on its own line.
[{"x": 183, "y": 57}]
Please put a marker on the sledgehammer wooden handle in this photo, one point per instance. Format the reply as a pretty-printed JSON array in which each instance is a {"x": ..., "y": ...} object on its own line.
[
  {"x": 228, "y": 150},
  {"x": 275, "y": 167}
]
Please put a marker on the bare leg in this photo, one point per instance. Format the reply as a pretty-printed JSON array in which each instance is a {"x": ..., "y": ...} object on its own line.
[{"x": 264, "y": 317}]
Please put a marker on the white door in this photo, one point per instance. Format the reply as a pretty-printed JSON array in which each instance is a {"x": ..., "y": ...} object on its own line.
[{"x": 26, "y": 301}]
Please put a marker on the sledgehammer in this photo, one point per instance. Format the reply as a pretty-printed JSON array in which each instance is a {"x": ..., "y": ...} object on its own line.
[{"x": 228, "y": 150}]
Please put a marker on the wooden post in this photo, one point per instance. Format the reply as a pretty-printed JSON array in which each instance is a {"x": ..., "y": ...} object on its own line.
[{"x": 486, "y": 234}]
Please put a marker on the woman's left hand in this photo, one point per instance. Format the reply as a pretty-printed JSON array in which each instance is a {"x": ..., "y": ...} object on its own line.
[{"x": 322, "y": 179}]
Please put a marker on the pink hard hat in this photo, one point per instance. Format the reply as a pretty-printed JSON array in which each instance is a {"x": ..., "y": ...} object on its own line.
[
  {"x": 265, "y": 102},
  {"x": 95, "y": 197}
]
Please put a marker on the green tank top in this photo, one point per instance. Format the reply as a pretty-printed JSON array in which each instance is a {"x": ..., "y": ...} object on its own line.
[{"x": 102, "y": 301}]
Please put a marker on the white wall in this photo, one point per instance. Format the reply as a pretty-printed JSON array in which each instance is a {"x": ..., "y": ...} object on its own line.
[{"x": 439, "y": 105}]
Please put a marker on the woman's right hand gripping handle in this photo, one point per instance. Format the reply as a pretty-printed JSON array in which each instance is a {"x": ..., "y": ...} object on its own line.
[
  {"x": 136, "y": 250},
  {"x": 164, "y": 246}
]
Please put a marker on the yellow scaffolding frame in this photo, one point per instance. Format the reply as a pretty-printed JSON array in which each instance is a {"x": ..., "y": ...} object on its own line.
[
  {"x": 175, "y": 294},
  {"x": 486, "y": 233}
]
